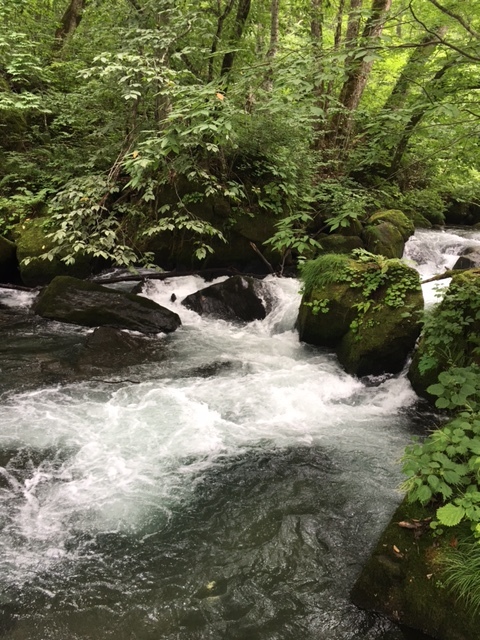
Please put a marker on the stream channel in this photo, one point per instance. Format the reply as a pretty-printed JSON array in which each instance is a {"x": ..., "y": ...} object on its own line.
[{"x": 231, "y": 491}]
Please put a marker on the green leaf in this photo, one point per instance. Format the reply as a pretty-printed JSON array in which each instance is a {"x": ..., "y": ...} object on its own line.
[
  {"x": 424, "y": 494},
  {"x": 450, "y": 515}
]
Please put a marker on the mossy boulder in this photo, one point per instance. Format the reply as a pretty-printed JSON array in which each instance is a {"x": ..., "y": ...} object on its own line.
[
  {"x": 395, "y": 217},
  {"x": 328, "y": 306},
  {"x": 368, "y": 309},
  {"x": 8, "y": 261},
  {"x": 68, "y": 299},
  {"x": 451, "y": 333},
  {"x": 32, "y": 242},
  {"x": 384, "y": 238},
  {"x": 337, "y": 243},
  {"x": 403, "y": 580},
  {"x": 238, "y": 298},
  {"x": 420, "y": 221}
]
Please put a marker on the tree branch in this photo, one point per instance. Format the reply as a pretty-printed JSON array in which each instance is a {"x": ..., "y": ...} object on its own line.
[
  {"x": 456, "y": 17},
  {"x": 441, "y": 40}
]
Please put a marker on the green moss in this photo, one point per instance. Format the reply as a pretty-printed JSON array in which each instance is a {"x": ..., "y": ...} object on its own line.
[
  {"x": 384, "y": 239},
  {"x": 368, "y": 308},
  {"x": 336, "y": 243},
  {"x": 395, "y": 217},
  {"x": 404, "y": 580},
  {"x": 7, "y": 250},
  {"x": 32, "y": 242}
]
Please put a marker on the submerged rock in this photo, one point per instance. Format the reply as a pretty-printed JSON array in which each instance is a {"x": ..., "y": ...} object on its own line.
[
  {"x": 368, "y": 309},
  {"x": 108, "y": 349},
  {"x": 403, "y": 580},
  {"x": 238, "y": 298},
  {"x": 76, "y": 301}
]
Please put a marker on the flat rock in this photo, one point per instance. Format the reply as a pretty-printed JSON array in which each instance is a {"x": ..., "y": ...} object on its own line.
[{"x": 68, "y": 299}]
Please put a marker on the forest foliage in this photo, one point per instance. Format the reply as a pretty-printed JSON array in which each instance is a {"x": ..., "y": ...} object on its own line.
[{"x": 121, "y": 118}]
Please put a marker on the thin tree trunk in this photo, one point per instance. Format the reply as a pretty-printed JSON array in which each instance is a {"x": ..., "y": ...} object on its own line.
[
  {"x": 273, "y": 47},
  {"x": 217, "y": 37},
  {"x": 69, "y": 23},
  {"x": 359, "y": 68},
  {"x": 415, "y": 118},
  {"x": 243, "y": 10},
  {"x": 412, "y": 70},
  {"x": 353, "y": 24}
]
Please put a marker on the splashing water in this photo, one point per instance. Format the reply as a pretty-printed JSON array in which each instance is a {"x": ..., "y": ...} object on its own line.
[{"x": 233, "y": 491}]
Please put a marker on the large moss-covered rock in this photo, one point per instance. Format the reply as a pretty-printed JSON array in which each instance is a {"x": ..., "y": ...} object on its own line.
[
  {"x": 403, "y": 580},
  {"x": 451, "y": 333},
  {"x": 368, "y": 309},
  {"x": 68, "y": 299},
  {"x": 395, "y": 217},
  {"x": 32, "y": 241},
  {"x": 328, "y": 304},
  {"x": 384, "y": 239},
  {"x": 337, "y": 243},
  {"x": 386, "y": 232},
  {"x": 238, "y": 298}
]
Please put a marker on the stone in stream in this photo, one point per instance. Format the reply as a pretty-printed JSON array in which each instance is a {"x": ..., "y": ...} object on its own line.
[
  {"x": 238, "y": 298},
  {"x": 469, "y": 259},
  {"x": 386, "y": 232},
  {"x": 68, "y": 299},
  {"x": 368, "y": 309},
  {"x": 108, "y": 349}
]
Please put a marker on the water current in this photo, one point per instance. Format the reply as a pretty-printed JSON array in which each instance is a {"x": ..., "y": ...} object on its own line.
[{"x": 232, "y": 490}]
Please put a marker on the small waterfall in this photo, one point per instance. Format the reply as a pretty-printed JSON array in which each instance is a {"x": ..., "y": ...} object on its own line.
[{"x": 432, "y": 252}]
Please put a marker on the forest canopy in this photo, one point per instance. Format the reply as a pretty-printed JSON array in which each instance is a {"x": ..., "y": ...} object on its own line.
[{"x": 126, "y": 121}]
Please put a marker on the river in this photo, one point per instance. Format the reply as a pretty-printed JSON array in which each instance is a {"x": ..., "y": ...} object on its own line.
[{"x": 231, "y": 491}]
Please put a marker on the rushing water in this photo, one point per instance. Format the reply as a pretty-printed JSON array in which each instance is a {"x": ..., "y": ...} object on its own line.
[{"x": 231, "y": 491}]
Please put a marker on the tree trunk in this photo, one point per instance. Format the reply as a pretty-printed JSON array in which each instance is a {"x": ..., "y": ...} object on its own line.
[
  {"x": 243, "y": 10},
  {"x": 415, "y": 118},
  {"x": 358, "y": 68},
  {"x": 217, "y": 37},
  {"x": 353, "y": 25},
  {"x": 69, "y": 22},
  {"x": 272, "y": 49},
  {"x": 412, "y": 70}
]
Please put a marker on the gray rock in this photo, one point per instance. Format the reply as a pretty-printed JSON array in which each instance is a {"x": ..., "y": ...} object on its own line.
[
  {"x": 68, "y": 299},
  {"x": 238, "y": 298}
]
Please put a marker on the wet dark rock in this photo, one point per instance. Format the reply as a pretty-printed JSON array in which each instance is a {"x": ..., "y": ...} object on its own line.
[
  {"x": 238, "y": 298},
  {"x": 108, "y": 349},
  {"x": 68, "y": 299},
  {"x": 469, "y": 259},
  {"x": 210, "y": 370}
]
